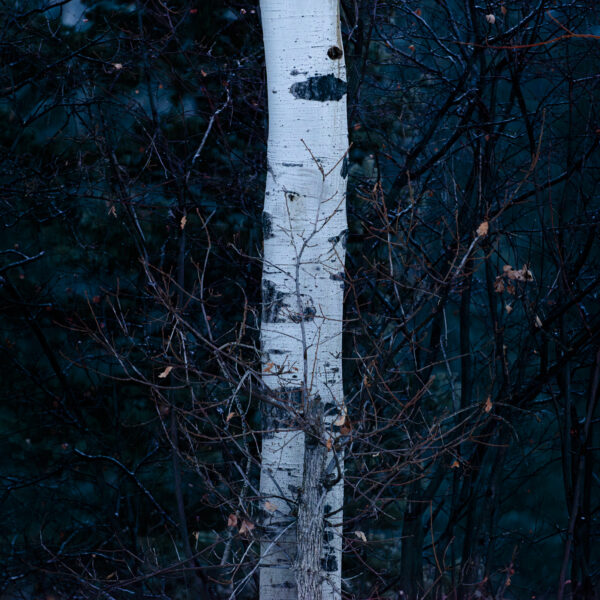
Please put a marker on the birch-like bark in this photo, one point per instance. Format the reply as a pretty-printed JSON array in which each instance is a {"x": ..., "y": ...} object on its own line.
[{"x": 304, "y": 224}]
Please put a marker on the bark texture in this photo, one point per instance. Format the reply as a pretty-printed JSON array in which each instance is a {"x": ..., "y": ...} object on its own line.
[{"x": 304, "y": 224}]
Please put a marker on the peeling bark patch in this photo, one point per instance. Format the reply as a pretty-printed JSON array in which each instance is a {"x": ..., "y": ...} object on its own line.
[
  {"x": 335, "y": 53},
  {"x": 345, "y": 167},
  {"x": 272, "y": 302},
  {"x": 322, "y": 88},
  {"x": 267, "y": 226}
]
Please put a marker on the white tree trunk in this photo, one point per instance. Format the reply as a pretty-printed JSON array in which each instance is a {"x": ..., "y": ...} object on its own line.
[{"x": 304, "y": 223}]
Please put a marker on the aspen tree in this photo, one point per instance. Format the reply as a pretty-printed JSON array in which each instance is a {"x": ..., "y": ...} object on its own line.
[{"x": 304, "y": 225}]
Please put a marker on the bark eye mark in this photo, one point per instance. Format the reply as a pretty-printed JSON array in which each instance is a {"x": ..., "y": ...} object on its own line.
[
  {"x": 272, "y": 302},
  {"x": 322, "y": 88},
  {"x": 267, "y": 226},
  {"x": 345, "y": 168},
  {"x": 335, "y": 53}
]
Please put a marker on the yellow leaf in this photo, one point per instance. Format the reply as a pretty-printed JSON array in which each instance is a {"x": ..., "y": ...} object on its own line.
[
  {"x": 360, "y": 535},
  {"x": 270, "y": 506},
  {"x": 165, "y": 373},
  {"x": 483, "y": 229}
]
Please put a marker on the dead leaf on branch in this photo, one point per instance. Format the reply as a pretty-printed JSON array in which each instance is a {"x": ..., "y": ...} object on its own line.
[
  {"x": 483, "y": 229},
  {"x": 488, "y": 405},
  {"x": 246, "y": 527},
  {"x": 361, "y": 535},
  {"x": 232, "y": 520},
  {"x": 523, "y": 274},
  {"x": 230, "y": 416},
  {"x": 270, "y": 506},
  {"x": 339, "y": 422},
  {"x": 165, "y": 373},
  {"x": 183, "y": 222}
]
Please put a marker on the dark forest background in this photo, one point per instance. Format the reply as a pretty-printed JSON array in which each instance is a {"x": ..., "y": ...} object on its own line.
[{"x": 132, "y": 158}]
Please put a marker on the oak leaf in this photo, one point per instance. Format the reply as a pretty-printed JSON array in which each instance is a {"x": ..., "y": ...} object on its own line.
[
  {"x": 232, "y": 520},
  {"x": 483, "y": 229}
]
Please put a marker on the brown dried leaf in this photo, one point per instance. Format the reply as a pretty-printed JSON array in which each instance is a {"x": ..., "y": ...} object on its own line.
[
  {"x": 270, "y": 506},
  {"x": 483, "y": 229},
  {"x": 246, "y": 527},
  {"x": 455, "y": 465},
  {"x": 339, "y": 422},
  {"x": 503, "y": 9},
  {"x": 361, "y": 535},
  {"x": 499, "y": 285},
  {"x": 488, "y": 404},
  {"x": 510, "y": 288},
  {"x": 508, "y": 309},
  {"x": 346, "y": 428},
  {"x": 230, "y": 416},
  {"x": 232, "y": 520},
  {"x": 165, "y": 373},
  {"x": 268, "y": 367},
  {"x": 329, "y": 444},
  {"x": 183, "y": 222},
  {"x": 491, "y": 19}
]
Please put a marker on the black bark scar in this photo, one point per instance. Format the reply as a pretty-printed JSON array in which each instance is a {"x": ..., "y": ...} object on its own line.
[{"x": 322, "y": 88}]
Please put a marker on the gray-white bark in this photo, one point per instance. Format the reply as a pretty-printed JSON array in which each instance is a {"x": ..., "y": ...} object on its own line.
[{"x": 301, "y": 332}]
